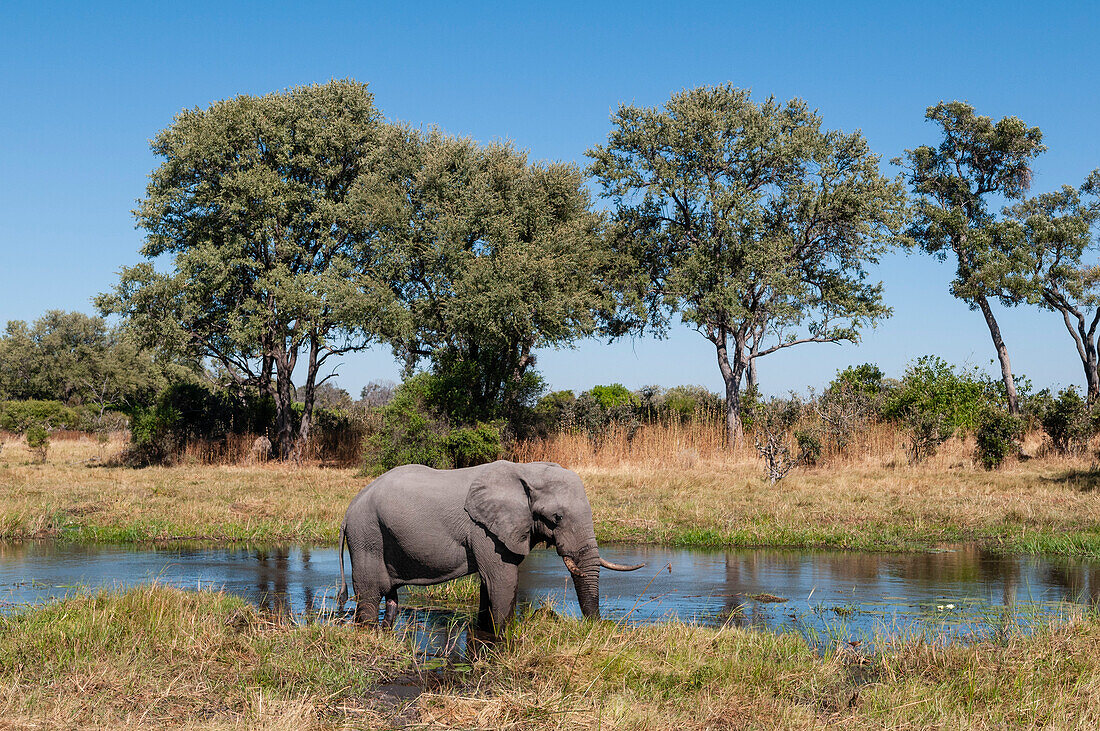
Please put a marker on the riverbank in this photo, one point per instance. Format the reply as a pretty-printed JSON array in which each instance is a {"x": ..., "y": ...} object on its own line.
[
  {"x": 159, "y": 657},
  {"x": 1037, "y": 506}
]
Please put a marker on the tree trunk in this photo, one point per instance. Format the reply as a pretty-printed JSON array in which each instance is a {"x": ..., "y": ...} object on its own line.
[
  {"x": 309, "y": 395},
  {"x": 731, "y": 375},
  {"x": 284, "y": 404},
  {"x": 1002, "y": 354},
  {"x": 1085, "y": 341}
]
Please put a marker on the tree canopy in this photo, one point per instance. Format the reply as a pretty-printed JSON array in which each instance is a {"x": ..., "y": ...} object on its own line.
[
  {"x": 954, "y": 183},
  {"x": 78, "y": 359},
  {"x": 750, "y": 221},
  {"x": 261, "y": 212},
  {"x": 1048, "y": 247},
  {"x": 498, "y": 256}
]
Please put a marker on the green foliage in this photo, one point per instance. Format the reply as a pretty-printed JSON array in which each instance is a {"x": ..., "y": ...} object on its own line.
[
  {"x": 678, "y": 403},
  {"x": 748, "y": 220},
  {"x": 498, "y": 256},
  {"x": 473, "y": 445},
  {"x": 614, "y": 396},
  {"x": 1050, "y": 242},
  {"x": 997, "y": 436},
  {"x": 18, "y": 416},
  {"x": 1067, "y": 420},
  {"x": 867, "y": 380},
  {"x": 977, "y": 161},
  {"x": 412, "y": 430},
  {"x": 954, "y": 184},
  {"x": 810, "y": 446},
  {"x": 932, "y": 386},
  {"x": 263, "y": 209},
  {"x": 77, "y": 359},
  {"x": 927, "y": 431},
  {"x": 185, "y": 412},
  {"x": 38, "y": 442}
]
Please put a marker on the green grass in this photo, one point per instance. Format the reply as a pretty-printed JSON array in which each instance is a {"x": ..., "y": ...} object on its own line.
[
  {"x": 156, "y": 657},
  {"x": 1038, "y": 506}
]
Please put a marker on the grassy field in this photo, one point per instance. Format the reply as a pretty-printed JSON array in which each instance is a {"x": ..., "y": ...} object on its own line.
[
  {"x": 164, "y": 658},
  {"x": 880, "y": 502}
]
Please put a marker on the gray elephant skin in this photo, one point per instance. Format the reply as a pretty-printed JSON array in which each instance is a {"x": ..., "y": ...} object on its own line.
[{"x": 416, "y": 525}]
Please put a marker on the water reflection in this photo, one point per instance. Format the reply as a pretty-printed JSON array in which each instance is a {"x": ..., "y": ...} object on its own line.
[{"x": 826, "y": 596}]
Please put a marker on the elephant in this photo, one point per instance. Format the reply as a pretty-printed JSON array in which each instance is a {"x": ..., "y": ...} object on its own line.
[{"x": 416, "y": 525}]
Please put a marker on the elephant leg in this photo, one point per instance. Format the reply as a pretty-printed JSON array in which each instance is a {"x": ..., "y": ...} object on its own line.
[
  {"x": 500, "y": 591},
  {"x": 391, "y": 608},
  {"x": 484, "y": 618},
  {"x": 368, "y": 590}
]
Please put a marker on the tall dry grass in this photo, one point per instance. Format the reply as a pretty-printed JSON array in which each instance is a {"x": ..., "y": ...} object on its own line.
[{"x": 687, "y": 444}]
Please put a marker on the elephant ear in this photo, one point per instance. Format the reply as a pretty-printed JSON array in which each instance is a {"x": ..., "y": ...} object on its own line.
[{"x": 498, "y": 501}]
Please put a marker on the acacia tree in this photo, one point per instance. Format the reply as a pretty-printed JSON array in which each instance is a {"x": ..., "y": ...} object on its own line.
[
  {"x": 1049, "y": 248},
  {"x": 976, "y": 159},
  {"x": 750, "y": 221},
  {"x": 262, "y": 203},
  {"x": 498, "y": 257}
]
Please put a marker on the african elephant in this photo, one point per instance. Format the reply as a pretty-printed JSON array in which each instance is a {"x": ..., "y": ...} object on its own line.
[{"x": 417, "y": 525}]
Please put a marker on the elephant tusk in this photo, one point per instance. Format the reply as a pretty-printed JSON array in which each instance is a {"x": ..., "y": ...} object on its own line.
[
  {"x": 619, "y": 566},
  {"x": 572, "y": 566}
]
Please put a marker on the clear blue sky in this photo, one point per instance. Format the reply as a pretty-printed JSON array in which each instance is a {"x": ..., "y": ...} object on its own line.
[{"x": 85, "y": 86}]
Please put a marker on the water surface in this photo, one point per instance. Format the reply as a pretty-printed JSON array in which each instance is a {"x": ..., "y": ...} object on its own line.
[{"x": 828, "y": 597}]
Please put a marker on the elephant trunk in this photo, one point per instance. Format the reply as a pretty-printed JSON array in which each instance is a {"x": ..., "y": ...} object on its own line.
[
  {"x": 585, "y": 569},
  {"x": 587, "y": 584}
]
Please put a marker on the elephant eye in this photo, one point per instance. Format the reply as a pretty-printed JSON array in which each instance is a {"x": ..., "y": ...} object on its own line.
[{"x": 557, "y": 518}]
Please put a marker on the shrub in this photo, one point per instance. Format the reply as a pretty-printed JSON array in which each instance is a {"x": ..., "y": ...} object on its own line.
[
  {"x": 927, "y": 431},
  {"x": 933, "y": 390},
  {"x": 809, "y": 446},
  {"x": 38, "y": 442},
  {"x": 867, "y": 380},
  {"x": 997, "y": 436},
  {"x": 413, "y": 431},
  {"x": 469, "y": 446},
  {"x": 1067, "y": 421},
  {"x": 410, "y": 432},
  {"x": 612, "y": 397},
  {"x": 18, "y": 416}
]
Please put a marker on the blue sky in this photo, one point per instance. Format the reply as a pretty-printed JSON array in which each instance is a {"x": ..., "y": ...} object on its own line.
[{"x": 85, "y": 86}]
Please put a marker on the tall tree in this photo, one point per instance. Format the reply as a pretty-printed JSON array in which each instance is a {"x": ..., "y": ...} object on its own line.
[
  {"x": 1049, "y": 248},
  {"x": 499, "y": 256},
  {"x": 76, "y": 358},
  {"x": 750, "y": 221},
  {"x": 263, "y": 204},
  {"x": 954, "y": 182}
]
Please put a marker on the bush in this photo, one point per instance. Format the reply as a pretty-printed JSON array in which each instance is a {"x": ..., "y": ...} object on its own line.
[
  {"x": 38, "y": 442},
  {"x": 932, "y": 390},
  {"x": 809, "y": 446},
  {"x": 867, "y": 380},
  {"x": 613, "y": 397},
  {"x": 1067, "y": 420},
  {"x": 927, "y": 431},
  {"x": 18, "y": 416},
  {"x": 469, "y": 446},
  {"x": 412, "y": 431},
  {"x": 997, "y": 436}
]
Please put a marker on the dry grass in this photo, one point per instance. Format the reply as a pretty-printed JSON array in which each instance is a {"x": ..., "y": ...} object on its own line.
[
  {"x": 706, "y": 497},
  {"x": 162, "y": 658}
]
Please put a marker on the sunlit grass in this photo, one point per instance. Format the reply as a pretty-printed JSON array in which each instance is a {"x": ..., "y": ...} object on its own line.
[
  {"x": 878, "y": 502},
  {"x": 160, "y": 657}
]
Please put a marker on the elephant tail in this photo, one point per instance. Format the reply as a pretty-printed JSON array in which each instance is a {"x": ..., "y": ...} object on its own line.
[{"x": 343, "y": 597}]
